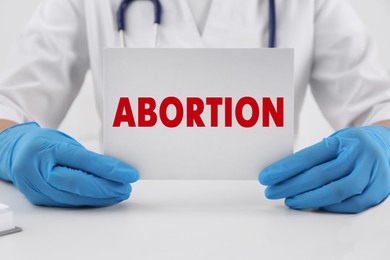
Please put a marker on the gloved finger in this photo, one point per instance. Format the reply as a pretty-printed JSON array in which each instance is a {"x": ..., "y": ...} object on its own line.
[
  {"x": 313, "y": 178},
  {"x": 36, "y": 197},
  {"x": 100, "y": 165},
  {"x": 301, "y": 161},
  {"x": 41, "y": 193},
  {"x": 64, "y": 198},
  {"x": 374, "y": 194},
  {"x": 86, "y": 185},
  {"x": 334, "y": 192}
]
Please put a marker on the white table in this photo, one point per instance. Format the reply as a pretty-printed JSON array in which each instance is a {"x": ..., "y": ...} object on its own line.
[{"x": 193, "y": 220}]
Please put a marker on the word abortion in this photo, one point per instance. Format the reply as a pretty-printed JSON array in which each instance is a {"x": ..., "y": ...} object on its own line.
[{"x": 149, "y": 112}]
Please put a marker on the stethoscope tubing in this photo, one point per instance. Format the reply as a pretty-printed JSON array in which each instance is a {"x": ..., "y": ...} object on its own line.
[
  {"x": 121, "y": 21},
  {"x": 272, "y": 24}
]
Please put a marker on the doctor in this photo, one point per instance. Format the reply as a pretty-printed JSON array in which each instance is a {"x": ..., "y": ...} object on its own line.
[{"x": 347, "y": 172}]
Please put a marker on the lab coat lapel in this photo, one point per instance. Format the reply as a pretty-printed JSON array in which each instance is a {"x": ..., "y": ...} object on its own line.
[
  {"x": 216, "y": 31},
  {"x": 178, "y": 29},
  {"x": 218, "y": 26},
  {"x": 237, "y": 24}
]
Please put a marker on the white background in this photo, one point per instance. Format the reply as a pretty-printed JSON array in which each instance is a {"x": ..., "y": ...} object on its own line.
[{"x": 14, "y": 14}]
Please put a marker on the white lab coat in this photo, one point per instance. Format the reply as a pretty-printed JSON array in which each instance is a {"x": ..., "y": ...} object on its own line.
[{"x": 333, "y": 53}]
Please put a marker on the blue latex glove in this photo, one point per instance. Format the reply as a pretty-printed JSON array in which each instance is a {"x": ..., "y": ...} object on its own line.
[
  {"x": 347, "y": 172},
  {"x": 50, "y": 168}
]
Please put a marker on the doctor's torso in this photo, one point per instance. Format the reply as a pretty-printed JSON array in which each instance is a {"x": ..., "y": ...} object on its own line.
[
  {"x": 229, "y": 24},
  {"x": 65, "y": 38}
]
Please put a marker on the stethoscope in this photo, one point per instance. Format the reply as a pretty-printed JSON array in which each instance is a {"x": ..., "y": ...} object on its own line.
[{"x": 121, "y": 21}]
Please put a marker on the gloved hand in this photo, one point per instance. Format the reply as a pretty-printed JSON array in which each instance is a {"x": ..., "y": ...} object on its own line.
[
  {"x": 51, "y": 168},
  {"x": 347, "y": 172}
]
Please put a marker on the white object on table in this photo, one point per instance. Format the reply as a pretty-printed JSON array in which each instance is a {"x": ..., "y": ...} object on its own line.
[{"x": 7, "y": 224}]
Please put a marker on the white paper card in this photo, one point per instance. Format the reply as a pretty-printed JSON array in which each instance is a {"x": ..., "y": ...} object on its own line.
[{"x": 237, "y": 149}]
